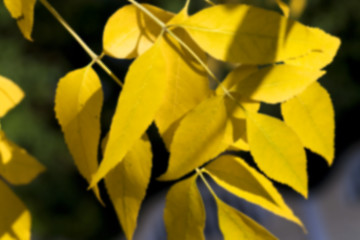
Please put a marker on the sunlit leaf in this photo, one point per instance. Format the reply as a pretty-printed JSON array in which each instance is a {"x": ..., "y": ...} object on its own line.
[
  {"x": 236, "y": 225},
  {"x": 15, "y": 219},
  {"x": 199, "y": 138},
  {"x": 184, "y": 213},
  {"x": 140, "y": 99},
  {"x": 277, "y": 151},
  {"x": 297, "y": 7},
  {"x": 129, "y": 32},
  {"x": 23, "y": 12},
  {"x": 127, "y": 184},
  {"x": 272, "y": 84},
  {"x": 180, "y": 16},
  {"x": 16, "y": 165},
  {"x": 284, "y": 7},
  {"x": 311, "y": 116},
  {"x": 243, "y": 34},
  {"x": 78, "y": 104},
  {"x": 188, "y": 84},
  {"x": 10, "y": 95},
  {"x": 236, "y": 176}
]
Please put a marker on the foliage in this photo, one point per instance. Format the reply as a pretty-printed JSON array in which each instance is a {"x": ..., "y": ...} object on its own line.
[{"x": 276, "y": 61}]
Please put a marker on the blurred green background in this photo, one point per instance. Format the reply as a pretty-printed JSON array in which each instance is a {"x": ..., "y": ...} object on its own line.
[{"x": 60, "y": 205}]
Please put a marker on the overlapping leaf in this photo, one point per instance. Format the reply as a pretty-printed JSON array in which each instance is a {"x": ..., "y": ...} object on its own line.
[
  {"x": 140, "y": 99},
  {"x": 233, "y": 174},
  {"x": 127, "y": 184},
  {"x": 187, "y": 82},
  {"x": 16, "y": 165},
  {"x": 15, "y": 220},
  {"x": 78, "y": 104},
  {"x": 277, "y": 150},
  {"x": 271, "y": 84},
  {"x": 243, "y": 34},
  {"x": 184, "y": 213},
  {"x": 10, "y": 95},
  {"x": 199, "y": 138},
  {"x": 236, "y": 225},
  {"x": 311, "y": 115},
  {"x": 23, "y": 12},
  {"x": 129, "y": 32}
]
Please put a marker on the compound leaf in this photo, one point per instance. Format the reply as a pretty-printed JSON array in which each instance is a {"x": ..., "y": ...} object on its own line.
[
  {"x": 311, "y": 115},
  {"x": 184, "y": 213}
]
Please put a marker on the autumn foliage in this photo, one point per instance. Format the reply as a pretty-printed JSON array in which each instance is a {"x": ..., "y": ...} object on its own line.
[{"x": 275, "y": 60}]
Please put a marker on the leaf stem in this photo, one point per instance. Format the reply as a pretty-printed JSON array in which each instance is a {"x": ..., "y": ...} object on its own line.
[
  {"x": 207, "y": 184},
  {"x": 87, "y": 49}
]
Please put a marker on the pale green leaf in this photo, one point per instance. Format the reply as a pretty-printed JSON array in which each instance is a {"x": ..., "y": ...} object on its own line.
[
  {"x": 240, "y": 33},
  {"x": 127, "y": 184},
  {"x": 311, "y": 115},
  {"x": 15, "y": 219},
  {"x": 129, "y": 32},
  {"x": 236, "y": 176},
  {"x": 188, "y": 84},
  {"x": 78, "y": 104},
  {"x": 16, "y": 165},
  {"x": 184, "y": 213},
  {"x": 199, "y": 138},
  {"x": 140, "y": 99},
  {"x": 10, "y": 95},
  {"x": 272, "y": 84},
  {"x": 236, "y": 225},
  {"x": 23, "y": 12},
  {"x": 277, "y": 151}
]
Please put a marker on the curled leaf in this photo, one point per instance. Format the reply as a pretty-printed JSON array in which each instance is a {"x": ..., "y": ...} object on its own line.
[
  {"x": 78, "y": 104},
  {"x": 129, "y": 32}
]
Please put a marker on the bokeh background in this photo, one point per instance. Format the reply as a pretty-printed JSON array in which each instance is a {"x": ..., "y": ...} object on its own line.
[{"x": 61, "y": 206}]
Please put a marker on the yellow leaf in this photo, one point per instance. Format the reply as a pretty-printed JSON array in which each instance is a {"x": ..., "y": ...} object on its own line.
[
  {"x": 236, "y": 225},
  {"x": 10, "y": 95},
  {"x": 184, "y": 213},
  {"x": 238, "y": 103},
  {"x": 16, "y": 165},
  {"x": 180, "y": 16},
  {"x": 243, "y": 34},
  {"x": 78, "y": 104},
  {"x": 297, "y": 7},
  {"x": 236, "y": 176},
  {"x": 23, "y": 12},
  {"x": 277, "y": 151},
  {"x": 199, "y": 138},
  {"x": 284, "y": 7},
  {"x": 127, "y": 184},
  {"x": 311, "y": 115},
  {"x": 272, "y": 84},
  {"x": 238, "y": 131},
  {"x": 15, "y": 219},
  {"x": 187, "y": 82},
  {"x": 140, "y": 99},
  {"x": 129, "y": 32}
]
